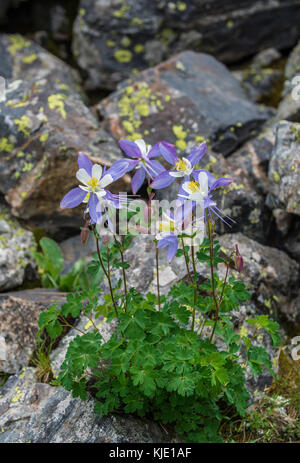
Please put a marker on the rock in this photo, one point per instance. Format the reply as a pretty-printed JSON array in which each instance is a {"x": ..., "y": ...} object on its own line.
[
  {"x": 252, "y": 159},
  {"x": 38, "y": 413},
  {"x": 269, "y": 274},
  {"x": 291, "y": 316},
  {"x": 114, "y": 38},
  {"x": 284, "y": 169},
  {"x": 266, "y": 58},
  {"x": 42, "y": 129},
  {"x": 292, "y": 241},
  {"x": 188, "y": 97},
  {"x": 72, "y": 250},
  {"x": 24, "y": 59},
  {"x": 19, "y": 313},
  {"x": 263, "y": 85},
  {"x": 289, "y": 107},
  {"x": 16, "y": 262}
]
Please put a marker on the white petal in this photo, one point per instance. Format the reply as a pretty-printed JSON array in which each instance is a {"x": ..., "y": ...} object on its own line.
[
  {"x": 85, "y": 188},
  {"x": 97, "y": 171},
  {"x": 142, "y": 146},
  {"x": 100, "y": 194},
  {"x": 106, "y": 180},
  {"x": 185, "y": 187},
  {"x": 187, "y": 163},
  {"x": 83, "y": 176},
  {"x": 177, "y": 174},
  {"x": 203, "y": 182}
]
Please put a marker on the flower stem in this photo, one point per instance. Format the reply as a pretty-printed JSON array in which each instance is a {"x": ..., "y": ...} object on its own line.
[
  {"x": 195, "y": 284},
  {"x": 157, "y": 278},
  {"x": 106, "y": 272},
  {"x": 123, "y": 272},
  {"x": 211, "y": 245}
]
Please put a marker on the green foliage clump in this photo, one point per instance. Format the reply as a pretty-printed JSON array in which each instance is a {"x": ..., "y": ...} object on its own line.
[{"x": 175, "y": 358}]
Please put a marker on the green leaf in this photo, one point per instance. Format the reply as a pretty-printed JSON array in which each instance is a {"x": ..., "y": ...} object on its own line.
[{"x": 53, "y": 257}]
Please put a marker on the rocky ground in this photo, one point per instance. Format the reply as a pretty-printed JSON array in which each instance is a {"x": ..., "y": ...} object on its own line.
[{"x": 82, "y": 75}]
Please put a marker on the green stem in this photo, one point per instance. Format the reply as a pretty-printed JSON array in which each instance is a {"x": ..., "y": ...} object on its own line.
[
  {"x": 211, "y": 255},
  {"x": 195, "y": 284},
  {"x": 107, "y": 273},
  {"x": 124, "y": 275},
  {"x": 157, "y": 278}
]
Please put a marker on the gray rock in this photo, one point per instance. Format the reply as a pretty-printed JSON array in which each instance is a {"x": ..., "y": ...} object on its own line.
[
  {"x": 32, "y": 412},
  {"x": 289, "y": 107},
  {"x": 16, "y": 262},
  {"x": 188, "y": 97},
  {"x": 24, "y": 59},
  {"x": 19, "y": 313},
  {"x": 42, "y": 129},
  {"x": 263, "y": 85},
  {"x": 269, "y": 274},
  {"x": 284, "y": 169},
  {"x": 252, "y": 159},
  {"x": 72, "y": 250},
  {"x": 266, "y": 58},
  {"x": 113, "y": 38}
]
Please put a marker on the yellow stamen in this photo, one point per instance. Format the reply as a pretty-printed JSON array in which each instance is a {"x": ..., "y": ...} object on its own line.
[
  {"x": 194, "y": 187},
  {"x": 86, "y": 199},
  {"x": 94, "y": 182},
  {"x": 181, "y": 165},
  {"x": 165, "y": 227}
]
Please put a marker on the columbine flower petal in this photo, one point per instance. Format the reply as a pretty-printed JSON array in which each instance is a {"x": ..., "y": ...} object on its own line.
[
  {"x": 162, "y": 181},
  {"x": 73, "y": 198},
  {"x": 197, "y": 153},
  {"x": 130, "y": 148},
  {"x": 138, "y": 180},
  {"x": 97, "y": 171},
  {"x": 83, "y": 176},
  {"x": 85, "y": 163},
  {"x": 106, "y": 180}
]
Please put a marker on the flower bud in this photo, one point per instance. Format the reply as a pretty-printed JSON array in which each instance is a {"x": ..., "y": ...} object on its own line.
[
  {"x": 85, "y": 233},
  {"x": 239, "y": 262},
  {"x": 105, "y": 240}
]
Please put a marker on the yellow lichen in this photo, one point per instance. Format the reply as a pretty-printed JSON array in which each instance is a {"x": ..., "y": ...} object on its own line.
[
  {"x": 24, "y": 125},
  {"x": 30, "y": 59},
  {"x": 17, "y": 43},
  {"x": 139, "y": 48},
  {"x": 276, "y": 176},
  {"x": 56, "y": 102},
  {"x": 6, "y": 145},
  {"x": 123, "y": 56}
]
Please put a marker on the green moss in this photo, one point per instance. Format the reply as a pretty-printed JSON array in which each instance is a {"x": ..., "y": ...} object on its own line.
[{"x": 123, "y": 56}]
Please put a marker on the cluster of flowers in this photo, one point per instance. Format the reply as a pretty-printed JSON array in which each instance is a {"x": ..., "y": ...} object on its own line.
[{"x": 195, "y": 191}]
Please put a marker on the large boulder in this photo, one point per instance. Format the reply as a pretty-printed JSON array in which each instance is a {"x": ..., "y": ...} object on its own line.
[
  {"x": 19, "y": 313},
  {"x": 182, "y": 100},
  {"x": 113, "y": 38},
  {"x": 284, "y": 169},
  {"x": 16, "y": 262},
  {"x": 43, "y": 125},
  {"x": 21, "y": 58},
  {"x": 38, "y": 413}
]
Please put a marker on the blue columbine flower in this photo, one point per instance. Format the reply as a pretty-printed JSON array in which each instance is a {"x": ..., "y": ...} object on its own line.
[
  {"x": 200, "y": 190},
  {"x": 184, "y": 167},
  {"x": 93, "y": 191},
  {"x": 142, "y": 161},
  {"x": 174, "y": 226}
]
